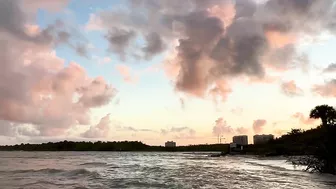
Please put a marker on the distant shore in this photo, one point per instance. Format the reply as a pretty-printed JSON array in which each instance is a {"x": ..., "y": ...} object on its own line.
[{"x": 113, "y": 146}]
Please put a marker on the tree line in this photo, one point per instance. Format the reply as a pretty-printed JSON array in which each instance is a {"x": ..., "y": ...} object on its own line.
[{"x": 109, "y": 146}]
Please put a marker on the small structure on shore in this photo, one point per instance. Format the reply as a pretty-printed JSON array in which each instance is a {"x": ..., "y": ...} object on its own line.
[
  {"x": 236, "y": 148},
  {"x": 170, "y": 144}
]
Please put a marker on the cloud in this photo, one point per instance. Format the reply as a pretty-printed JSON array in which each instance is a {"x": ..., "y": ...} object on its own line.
[
  {"x": 328, "y": 89},
  {"x": 290, "y": 88},
  {"x": 7, "y": 128},
  {"x": 13, "y": 20},
  {"x": 119, "y": 40},
  {"x": 237, "y": 110},
  {"x": 101, "y": 130},
  {"x": 53, "y": 5},
  {"x": 132, "y": 129},
  {"x": 155, "y": 45},
  {"x": 258, "y": 125},
  {"x": 218, "y": 41},
  {"x": 303, "y": 119},
  {"x": 38, "y": 91},
  {"x": 330, "y": 69},
  {"x": 126, "y": 73},
  {"x": 18, "y": 17},
  {"x": 16, "y": 130},
  {"x": 105, "y": 60},
  {"x": 222, "y": 128},
  {"x": 242, "y": 130},
  {"x": 279, "y": 132},
  {"x": 66, "y": 34},
  {"x": 179, "y": 132}
]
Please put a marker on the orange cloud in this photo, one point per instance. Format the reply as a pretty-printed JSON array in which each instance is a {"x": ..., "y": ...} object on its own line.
[{"x": 279, "y": 40}]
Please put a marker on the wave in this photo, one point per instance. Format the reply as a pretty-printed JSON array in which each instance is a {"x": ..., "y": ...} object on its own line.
[
  {"x": 48, "y": 184},
  {"x": 71, "y": 173},
  {"x": 98, "y": 164},
  {"x": 47, "y": 170},
  {"x": 283, "y": 167}
]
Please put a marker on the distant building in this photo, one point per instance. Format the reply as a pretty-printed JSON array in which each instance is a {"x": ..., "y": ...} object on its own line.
[
  {"x": 170, "y": 144},
  {"x": 241, "y": 140},
  {"x": 262, "y": 139}
]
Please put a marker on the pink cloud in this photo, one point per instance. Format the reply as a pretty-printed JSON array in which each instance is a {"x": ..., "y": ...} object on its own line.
[
  {"x": 327, "y": 89},
  {"x": 36, "y": 87},
  {"x": 242, "y": 130},
  {"x": 221, "y": 89},
  {"x": 303, "y": 119},
  {"x": 101, "y": 130},
  {"x": 126, "y": 73},
  {"x": 258, "y": 125},
  {"x": 222, "y": 128},
  {"x": 291, "y": 89}
]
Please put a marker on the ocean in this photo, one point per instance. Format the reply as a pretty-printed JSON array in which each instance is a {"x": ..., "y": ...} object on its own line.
[{"x": 105, "y": 170}]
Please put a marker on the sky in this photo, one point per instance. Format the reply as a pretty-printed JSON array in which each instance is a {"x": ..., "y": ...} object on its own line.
[{"x": 158, "y": 70}]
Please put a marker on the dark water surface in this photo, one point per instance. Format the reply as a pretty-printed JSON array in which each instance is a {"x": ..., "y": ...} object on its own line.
[{"x": 102, "y": 170}]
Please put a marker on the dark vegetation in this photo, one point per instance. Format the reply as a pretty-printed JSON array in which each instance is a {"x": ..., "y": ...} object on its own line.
[
  {"x": 316, "y": 147},
  {"x": 109, "y": 146}
]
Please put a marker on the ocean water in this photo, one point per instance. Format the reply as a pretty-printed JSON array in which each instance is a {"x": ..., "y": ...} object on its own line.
[{"x": 105, "y": 170}]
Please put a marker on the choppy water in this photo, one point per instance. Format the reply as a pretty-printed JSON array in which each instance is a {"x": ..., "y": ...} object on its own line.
[{"x": 100, "y": 170}]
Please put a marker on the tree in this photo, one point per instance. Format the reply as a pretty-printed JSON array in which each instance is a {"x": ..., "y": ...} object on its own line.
[
  {"x": 326, "y": 113},
  {"x": 295, "y": 132}
]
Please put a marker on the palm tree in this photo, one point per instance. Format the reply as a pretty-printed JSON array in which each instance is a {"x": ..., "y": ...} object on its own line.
[{"x": 326, "y": 113}]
